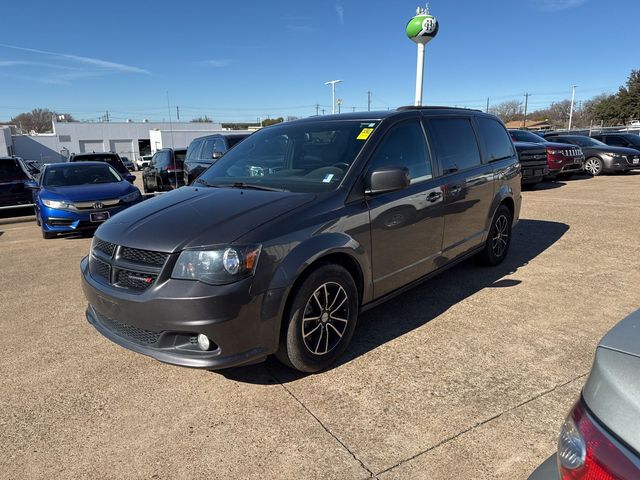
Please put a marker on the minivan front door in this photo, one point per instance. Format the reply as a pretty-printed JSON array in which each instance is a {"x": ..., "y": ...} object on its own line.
[{"x": 406, "y": 225}]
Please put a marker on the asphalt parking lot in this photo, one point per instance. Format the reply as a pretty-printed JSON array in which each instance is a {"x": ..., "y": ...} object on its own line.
[{"x": 466, "y": 376}]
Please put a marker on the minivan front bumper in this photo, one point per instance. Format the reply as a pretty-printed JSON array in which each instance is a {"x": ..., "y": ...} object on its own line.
[{"x": 164, "y": 322}]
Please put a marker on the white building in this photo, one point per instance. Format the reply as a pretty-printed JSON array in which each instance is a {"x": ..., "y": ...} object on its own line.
[{"x": 129, "y": 139}]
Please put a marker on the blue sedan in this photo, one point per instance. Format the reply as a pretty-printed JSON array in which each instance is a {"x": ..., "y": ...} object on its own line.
[{"x": 76, "y": 196}]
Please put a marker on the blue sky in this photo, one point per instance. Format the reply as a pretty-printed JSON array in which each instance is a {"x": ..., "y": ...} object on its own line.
[{"x": 240, "y": 60}]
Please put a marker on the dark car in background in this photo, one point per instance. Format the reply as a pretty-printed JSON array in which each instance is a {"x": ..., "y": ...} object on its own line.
[
  {"x": 563, "y": 159},
  {"x": 533, "y": 162},
  {"x": 600, "y": 157},
  {"x": 277, "y": 247},
  {"x": 128, "y": 163},
  {"x": 204, "y": 151},
  {"x": 13, "y": 176},
  {"x": 600, "y": 438},
  {"x": 165, "y": 171},
  {"x": 112, "y": 159},
  {"x": 628, "y": 140},
  {"x": 71, "y": 197}
]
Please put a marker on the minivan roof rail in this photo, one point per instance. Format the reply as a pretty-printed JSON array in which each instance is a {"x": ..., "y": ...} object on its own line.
[{"x": 434, "y": 107}]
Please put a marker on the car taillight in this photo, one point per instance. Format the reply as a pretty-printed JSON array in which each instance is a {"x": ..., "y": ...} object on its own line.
[{"x": 585, "y": 453}]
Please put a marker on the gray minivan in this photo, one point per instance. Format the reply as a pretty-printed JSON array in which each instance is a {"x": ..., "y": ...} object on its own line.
[{"x": 279, "y": 245}]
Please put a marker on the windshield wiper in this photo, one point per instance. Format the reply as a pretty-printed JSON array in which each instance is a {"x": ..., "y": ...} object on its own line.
[
  {"x": 206, "y": 184},
  {"x": 253, "y": 186}
]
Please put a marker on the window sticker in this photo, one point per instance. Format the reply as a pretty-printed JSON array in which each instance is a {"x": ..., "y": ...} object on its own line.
[
  {"x": 364, "y": 134},
  {"x": 327, "y": 178}
]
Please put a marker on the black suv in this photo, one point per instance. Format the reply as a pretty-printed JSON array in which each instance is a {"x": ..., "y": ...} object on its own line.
[
  {"x": 112, "y": 159},
  {"x": 280, "y": 244},
  {"x": 13, "y": 175},
  {"x": 165, "y": 170},
  {"x": 204, "y": 151}
]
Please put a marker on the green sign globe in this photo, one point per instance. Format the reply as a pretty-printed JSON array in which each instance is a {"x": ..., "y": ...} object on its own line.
[{"x": 422, "y": 28}]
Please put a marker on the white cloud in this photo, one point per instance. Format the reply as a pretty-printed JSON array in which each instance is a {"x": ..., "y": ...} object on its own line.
[
  {"x": 94, "y": 62},
  {"x": 556, "y": 5},
  {"x": 340, "y": 11},
  {"x": 216, "y": 63}
]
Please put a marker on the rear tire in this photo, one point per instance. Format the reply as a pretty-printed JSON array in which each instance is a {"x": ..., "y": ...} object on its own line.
[
  {"x": 320, "y": 320},
  {"x": 499, "y": 239},
  {"x": 145, "y": 188}
]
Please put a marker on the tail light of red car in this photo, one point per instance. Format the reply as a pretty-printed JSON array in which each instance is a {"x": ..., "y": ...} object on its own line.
[{"x": 586, "y": 453}]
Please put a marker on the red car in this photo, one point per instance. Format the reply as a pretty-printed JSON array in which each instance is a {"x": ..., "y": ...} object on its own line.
[{"x": 564, "y": 160}]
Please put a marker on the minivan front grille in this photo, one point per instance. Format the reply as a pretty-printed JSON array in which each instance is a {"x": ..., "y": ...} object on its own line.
[
  {"x": 129, "y": 332},
  {"x": 143, "y": 256},
  {"x": 124, "y": 267}
]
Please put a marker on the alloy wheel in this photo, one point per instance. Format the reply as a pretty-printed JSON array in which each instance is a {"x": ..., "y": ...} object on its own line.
[
  {"x": 325, "y": 318},
  {"x": 500, "y": 238},
  {"x": 593, "y": 166}
]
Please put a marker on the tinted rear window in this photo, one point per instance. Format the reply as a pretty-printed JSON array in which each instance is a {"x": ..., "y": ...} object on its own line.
[
  {"x": 496, "y": 140},
  {"x": 115, "y": 162},
  {"x": 10, "y": 171},
  {"x": 455, "y": 144},
  {"x": 179, "y": 157},
  {"x": 234, "y": 140},
  {"x": 194, "y": 149}
]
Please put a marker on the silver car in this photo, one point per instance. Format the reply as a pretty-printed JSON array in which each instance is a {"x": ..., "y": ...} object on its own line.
[{"x": 600, "y": 438}]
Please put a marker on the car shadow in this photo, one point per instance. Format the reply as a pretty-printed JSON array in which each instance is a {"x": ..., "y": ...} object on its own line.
[
  {"x": 547, "y": 185},
  {"x": 424, "y": 302}
]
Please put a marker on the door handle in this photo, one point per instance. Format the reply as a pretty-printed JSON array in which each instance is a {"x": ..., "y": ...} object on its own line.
[{"x": 434, "y": 196}]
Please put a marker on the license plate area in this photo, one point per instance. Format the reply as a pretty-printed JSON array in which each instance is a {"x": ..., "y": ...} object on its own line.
[{"x": 98, "y": 217}]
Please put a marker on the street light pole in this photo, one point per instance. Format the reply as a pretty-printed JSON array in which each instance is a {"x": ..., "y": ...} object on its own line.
[
  {"x": 333, "y": 94},
  {"x": 573, "y": 97}
]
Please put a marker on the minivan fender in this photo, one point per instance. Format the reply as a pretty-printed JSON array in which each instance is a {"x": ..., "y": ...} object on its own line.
[{"x": 309, "y": 253}]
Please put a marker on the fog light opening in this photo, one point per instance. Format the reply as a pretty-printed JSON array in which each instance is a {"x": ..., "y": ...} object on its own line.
[{"x": 203, "y": 342}]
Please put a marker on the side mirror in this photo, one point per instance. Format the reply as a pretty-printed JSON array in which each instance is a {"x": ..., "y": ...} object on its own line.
[
  {"x": 130, "y": 178},
  {"x": 217, "y": 155},
  {"x": 31, "y": 185},
  {"x": 387, "y": 179}
]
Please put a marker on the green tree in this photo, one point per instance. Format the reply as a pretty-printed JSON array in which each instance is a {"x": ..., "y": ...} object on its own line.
[{"x": 272, "y": 121}]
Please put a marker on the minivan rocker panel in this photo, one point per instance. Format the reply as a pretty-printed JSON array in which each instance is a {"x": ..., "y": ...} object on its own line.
[{"x": 323, "y": 248}]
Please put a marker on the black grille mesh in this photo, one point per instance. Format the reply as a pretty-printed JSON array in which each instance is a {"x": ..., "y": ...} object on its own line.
[
  {"x": 98, "y": 268},
  {"x": 143, "y": 256},
  {"x": 104, "y": 247},
  {"x": 134, "y": 280},
  {"x": 135, "y": 334}
]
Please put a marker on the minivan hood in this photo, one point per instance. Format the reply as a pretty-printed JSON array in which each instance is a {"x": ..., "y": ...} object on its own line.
[{"x": 192, "y": 217}]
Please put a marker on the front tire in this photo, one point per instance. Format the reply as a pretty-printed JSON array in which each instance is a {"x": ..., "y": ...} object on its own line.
[
  {"x": 320, "y": 321},
  {"x": 593, "y": 166},
  {"x": 497, "y": 245}
]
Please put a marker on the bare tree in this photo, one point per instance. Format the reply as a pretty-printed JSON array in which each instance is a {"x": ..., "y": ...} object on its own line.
[
  {"x": 508, "y": 111},
  {"x": 39, "y": 120}
]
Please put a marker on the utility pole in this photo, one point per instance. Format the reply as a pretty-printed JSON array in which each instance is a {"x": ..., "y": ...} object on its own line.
[
  {"x": 178, "y": 112},
  {"x": 317, "y": 108},
  {"x": 339, "y": 102},
  {"x": 106, "y": 117},
  {"x": 368, "y": 101},
  {"x": 487, "y": 111},
  {"x": 354, "y": 109},
  {"x": 526, "y": 103},
  {"x": 323, "y": 111},
  {"x": 333, "y": 93},
  {"x": 573, "y": 97}
]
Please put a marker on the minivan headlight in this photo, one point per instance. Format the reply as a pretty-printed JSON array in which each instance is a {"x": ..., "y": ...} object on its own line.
[
  {"x": 56, "y": 203},
  {"x": 218, "y": 266},
  {"x": 131, "y": 197}
]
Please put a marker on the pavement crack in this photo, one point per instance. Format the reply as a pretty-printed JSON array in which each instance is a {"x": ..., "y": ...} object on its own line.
[
  {"x": 483, "y": 422},
  {"x": 326, "y": 429}
]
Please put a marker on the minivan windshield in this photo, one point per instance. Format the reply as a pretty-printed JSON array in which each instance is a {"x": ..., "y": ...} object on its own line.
[
  {"x": 79, "y": 174},
  {"x": 298, "y": 157}
]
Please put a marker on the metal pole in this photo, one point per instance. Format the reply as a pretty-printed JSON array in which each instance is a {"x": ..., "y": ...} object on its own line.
[
  {"x": 419, "y": 74},
  {"x": 526, "y": 103},
  {"x": 573, "y": 97},
  {"x": 368, "y": 101},
  {"x": 333, "y": 98},
  {"x": 487, "y": 111}
]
